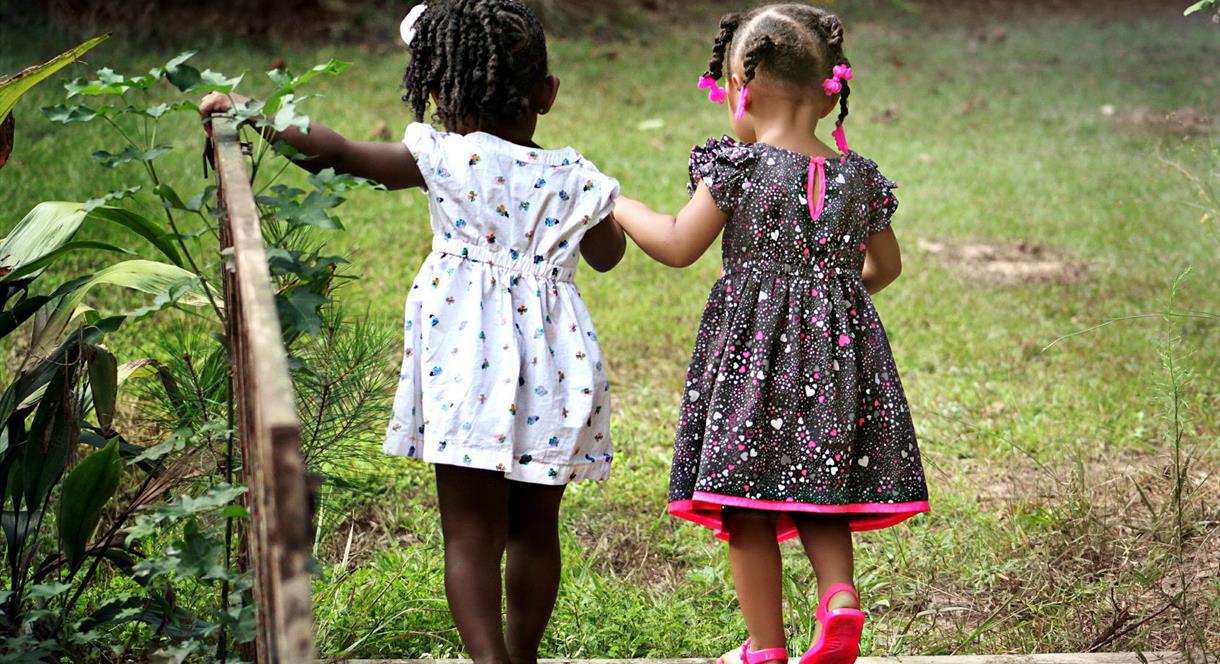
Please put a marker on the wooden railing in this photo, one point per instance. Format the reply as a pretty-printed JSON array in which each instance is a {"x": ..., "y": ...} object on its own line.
[{"x": 278, "y": 535}]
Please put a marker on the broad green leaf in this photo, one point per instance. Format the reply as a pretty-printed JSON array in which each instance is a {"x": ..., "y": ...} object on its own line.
[
  {"x": 1202, "y": 5},
  {"x": 117, "y": 608},
  {"x": 17, "y": 527},
  {"x": 103, "y": 385},
  {"x": 7, "y": 127},
  {"x": 141, "y": 275},
  {"x": 141, "y": 226},
  {"x": 15, "y": 316},
  {"x": 127, "y": 451},
  {"x": 14, "y": 88},
  {"x": 33, "y": 383},
  {"x": 86, "y": 491},
  {"x": 42, "y": 263},
  {"x": 52, "y": 436},
  {"x": 46, "y": 228}
]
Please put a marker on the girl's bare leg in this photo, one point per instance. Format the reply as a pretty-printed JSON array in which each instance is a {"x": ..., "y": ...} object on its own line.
[
  {"x": 827, "y": 542},
  {"x": 532, "y": 574},
  {"x": 757, "y": 575},
  {"x": 474, "y": 520}
]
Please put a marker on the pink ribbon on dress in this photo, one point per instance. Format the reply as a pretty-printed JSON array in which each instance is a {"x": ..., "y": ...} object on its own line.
[{"x": 817, "y": 171}]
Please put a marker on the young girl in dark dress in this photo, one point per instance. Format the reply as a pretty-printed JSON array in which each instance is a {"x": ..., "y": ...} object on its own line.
[{"x": 793, "y": 422}]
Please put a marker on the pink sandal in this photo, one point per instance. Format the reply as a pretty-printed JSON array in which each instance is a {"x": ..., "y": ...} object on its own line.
[
  {"x": 760, "y": 656},
  {"x": 839, "y": 642}
]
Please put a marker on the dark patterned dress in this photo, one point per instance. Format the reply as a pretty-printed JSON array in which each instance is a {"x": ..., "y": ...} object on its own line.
[{"x": 793, "y": 403}]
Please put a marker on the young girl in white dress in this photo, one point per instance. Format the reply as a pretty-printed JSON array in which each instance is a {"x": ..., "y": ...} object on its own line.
[{"x": 502, "y": 384}]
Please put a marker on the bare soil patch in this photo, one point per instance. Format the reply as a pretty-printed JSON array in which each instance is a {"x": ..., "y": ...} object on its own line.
[
  {"x": 1183, "y": 121},
  {"x": 1018, "y": 262}
]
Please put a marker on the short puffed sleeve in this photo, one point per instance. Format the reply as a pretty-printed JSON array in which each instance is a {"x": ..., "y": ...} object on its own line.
[
  {"x": 879, "y": 193},
  {"x": 725, "y": 167},
  {"x": 602, "y": 190},
  {"x": 424, "y": 142}
]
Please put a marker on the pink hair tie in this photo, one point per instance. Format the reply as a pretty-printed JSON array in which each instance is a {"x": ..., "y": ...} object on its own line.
[
  {"x": 840, "y": 138},
  {"x": 839, "y": 75},
  {"x": 715, "y": 93}
]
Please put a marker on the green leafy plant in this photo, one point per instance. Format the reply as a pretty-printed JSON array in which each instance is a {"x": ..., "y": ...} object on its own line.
[
  {"x": 65, "y": 469},
  {"x": 13, "y": 89},
  {"x": 1203, "y": 6}
]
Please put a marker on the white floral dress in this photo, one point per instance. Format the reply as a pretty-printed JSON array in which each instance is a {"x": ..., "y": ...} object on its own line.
[{"x": 502, "y": 369}]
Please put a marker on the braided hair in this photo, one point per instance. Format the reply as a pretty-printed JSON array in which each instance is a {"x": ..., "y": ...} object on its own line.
[
  {"x": 480, "y": 58},
  {"x": 796, "y": 45}
]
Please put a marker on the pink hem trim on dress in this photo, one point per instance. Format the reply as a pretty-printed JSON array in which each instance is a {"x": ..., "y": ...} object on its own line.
[{"x": 705, "y": 509}]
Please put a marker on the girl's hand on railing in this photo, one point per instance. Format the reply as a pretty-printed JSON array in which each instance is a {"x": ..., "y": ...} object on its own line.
[{"x": 216, "y": 103}]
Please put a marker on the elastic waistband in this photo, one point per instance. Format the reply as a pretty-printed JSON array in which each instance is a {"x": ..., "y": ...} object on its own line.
[
  {"x": 767, "y": 266},
  {"x": 504, "y": 259}
]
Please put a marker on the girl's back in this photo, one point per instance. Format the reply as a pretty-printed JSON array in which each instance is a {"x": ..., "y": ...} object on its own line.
[
  {"x": 515, "y": 206},
  {"x": 770, "y": 194},
  {"x": 502, "y": 370}
]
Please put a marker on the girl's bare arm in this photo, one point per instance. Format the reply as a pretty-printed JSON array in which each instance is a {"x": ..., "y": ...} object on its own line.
[
  {"x": 882, "y": 261},
  {"x": 389, "y": 164},
  {"x": 675, "y": 241},
  {"x": 603, "y": 246}
]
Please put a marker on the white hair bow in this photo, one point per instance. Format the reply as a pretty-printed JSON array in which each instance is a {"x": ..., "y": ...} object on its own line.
[{"x": 407, "y": 29}]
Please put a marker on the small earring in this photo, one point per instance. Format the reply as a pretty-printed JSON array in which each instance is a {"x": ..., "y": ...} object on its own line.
[{"x": 741, "y": 103}]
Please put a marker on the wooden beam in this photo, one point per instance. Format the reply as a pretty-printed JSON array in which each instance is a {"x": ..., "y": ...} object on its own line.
[{"x": 270, "y": 434}]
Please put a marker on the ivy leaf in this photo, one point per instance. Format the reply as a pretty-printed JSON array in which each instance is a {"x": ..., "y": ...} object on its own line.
[
  {"x": 106, "y": 199},
  {"x": 199, "y": 201},
  {"x": 63, "y": 114},
  {"x": 129, "y": 153},
  {"x": 299, "y": 310},
  {"x": 178, "y": 654},
  {"x": 311, "y": 210},
  {"x": 286, "y": 115},
  {"x": 190, "y": 80},
  {"x": 48, "y": 590},
  {"x": 175, "y": 443},
  {"x": 341, "y": 183},
  {"x": 200, "y": 555},
  {"x": 159, "y": 110},
  {"x": 108, "y": 83},
  {"x": 216, "y": 496},
  {"x": 288, "y": 84}
]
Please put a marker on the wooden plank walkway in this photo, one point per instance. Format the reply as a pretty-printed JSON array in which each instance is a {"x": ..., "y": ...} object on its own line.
[{"x": 1064, "y": 658}]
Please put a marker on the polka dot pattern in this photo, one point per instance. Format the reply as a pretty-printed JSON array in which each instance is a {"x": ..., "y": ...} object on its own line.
[{"x": 793, "y": 402}]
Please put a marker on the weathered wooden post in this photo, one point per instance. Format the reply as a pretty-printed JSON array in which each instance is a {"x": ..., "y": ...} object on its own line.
[{"x": 273, "y": 469}]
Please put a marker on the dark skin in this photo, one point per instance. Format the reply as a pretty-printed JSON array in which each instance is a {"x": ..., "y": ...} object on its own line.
[
  {"x": 391, "y": 164},
  {"x": 485, "y": 517}
]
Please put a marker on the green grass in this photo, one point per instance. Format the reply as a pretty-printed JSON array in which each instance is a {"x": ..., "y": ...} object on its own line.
[{"x": 1037, "y": 540}]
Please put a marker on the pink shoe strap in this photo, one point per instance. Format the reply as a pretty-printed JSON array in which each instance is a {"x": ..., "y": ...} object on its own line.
[
  {"x": 764, "y": 655},
  {"x": 824, "y": 605}
]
